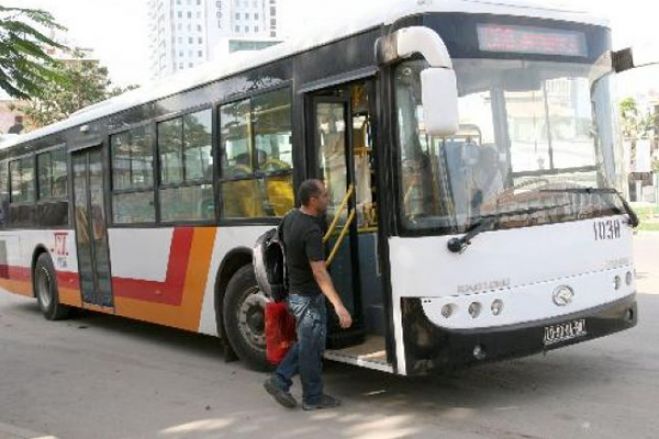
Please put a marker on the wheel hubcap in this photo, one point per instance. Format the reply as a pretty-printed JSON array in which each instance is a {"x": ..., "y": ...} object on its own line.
[
  {"x": 251, "y": 318},
  {"x": 44, "y": 287}
]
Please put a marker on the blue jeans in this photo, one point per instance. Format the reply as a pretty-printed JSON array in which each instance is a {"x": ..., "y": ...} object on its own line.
[{"x": 306, "y": 356}]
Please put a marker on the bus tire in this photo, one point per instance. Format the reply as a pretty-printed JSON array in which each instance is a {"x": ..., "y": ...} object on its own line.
[
  {"x": 244, "y": 318},
  {"x": 45, "y": 288}
]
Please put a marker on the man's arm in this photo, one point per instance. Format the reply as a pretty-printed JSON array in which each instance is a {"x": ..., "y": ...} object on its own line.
[
  {"x": 326, "y": 285},
  {"x": 316, "y": 256}
]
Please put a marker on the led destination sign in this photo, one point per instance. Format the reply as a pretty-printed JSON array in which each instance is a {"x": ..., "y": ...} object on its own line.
[{"x": 531, "y": 40}]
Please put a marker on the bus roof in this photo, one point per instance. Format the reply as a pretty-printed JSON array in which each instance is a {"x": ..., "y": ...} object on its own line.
[{"x": 241, "y": 61}]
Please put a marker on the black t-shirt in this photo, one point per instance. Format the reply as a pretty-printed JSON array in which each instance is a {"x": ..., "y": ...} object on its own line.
[{"x": 303, "y": 238}]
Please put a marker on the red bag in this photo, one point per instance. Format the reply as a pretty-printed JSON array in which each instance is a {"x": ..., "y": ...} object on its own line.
[{"x": 279, "y": 331}]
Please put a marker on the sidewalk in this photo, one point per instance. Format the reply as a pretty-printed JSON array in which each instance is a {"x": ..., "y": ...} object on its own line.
[{"x": 646, "y": 249}]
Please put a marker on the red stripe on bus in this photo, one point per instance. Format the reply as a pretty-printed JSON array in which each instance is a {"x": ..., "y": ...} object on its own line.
[
  {"x": 68, "y": 279},
  {"x": 170, "y": 291},
  {"x": 15, "y": 273},
  {"x": 23, "y": 273},
  {"x": 65, "y": 279}
]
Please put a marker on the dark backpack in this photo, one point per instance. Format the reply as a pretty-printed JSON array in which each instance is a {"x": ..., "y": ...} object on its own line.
[{"x": 269, "y": 259}]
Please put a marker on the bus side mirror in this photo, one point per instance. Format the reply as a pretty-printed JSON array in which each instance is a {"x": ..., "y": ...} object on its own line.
[
  {"x": 632, "y": 58},
  {"x": 439, "y": 95}
]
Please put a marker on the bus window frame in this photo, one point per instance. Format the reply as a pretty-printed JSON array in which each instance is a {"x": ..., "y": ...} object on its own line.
[
  {"x": 111, "y": 191},
  {"x": 5, "y": 162},
  {"x": 51, "y": 149},
  {"x": 186, "y": 183},
  {"x": 294, "y": 173},
  {"x": 31, "y": 155},
  {"x": 181, "y": 115}
]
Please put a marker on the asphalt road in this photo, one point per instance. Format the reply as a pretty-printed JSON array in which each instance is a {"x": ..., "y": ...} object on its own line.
[{"x": 104, "y": 377}]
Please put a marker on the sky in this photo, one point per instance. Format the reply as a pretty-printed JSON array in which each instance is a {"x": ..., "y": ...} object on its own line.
[{"x": 117, "y": 29}]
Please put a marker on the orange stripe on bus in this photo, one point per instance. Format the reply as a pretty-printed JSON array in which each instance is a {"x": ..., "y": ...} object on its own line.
[
  {"x": 69, "y": 296},
  {"x": 98, "y": 308},
  {"x": 22, "y": 287},
  {"x": 187, "y": 315}
]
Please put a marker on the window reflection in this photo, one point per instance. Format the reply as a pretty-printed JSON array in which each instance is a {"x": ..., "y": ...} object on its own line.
[
  {"x": 524, "y": 126},
  {"x": 52, "y": 173},
  {"x": 186, "y": 168},
  {"x": 257, "y": 156},
  {"x": 132, "y": 176},
  {"x": 22, "y": 180}
]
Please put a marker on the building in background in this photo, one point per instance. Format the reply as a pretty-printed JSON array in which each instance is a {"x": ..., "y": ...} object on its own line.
[{"x": 185, "y": 33}]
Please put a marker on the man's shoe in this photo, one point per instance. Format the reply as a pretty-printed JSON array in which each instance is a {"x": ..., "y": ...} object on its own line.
[
  {"x": 282, "y": 397},
  {"x": 326, "y": 402}
]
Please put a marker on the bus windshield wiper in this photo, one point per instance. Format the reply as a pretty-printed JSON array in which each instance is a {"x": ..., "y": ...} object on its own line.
[
  {"x": 458, "y": 245},
  {"x": 633, "y": 218}
]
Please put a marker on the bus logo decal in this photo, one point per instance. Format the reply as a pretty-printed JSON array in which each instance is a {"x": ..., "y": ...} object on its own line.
[
  {"x": 563, "y": 295},
  {"x": 60, "y": 244}
]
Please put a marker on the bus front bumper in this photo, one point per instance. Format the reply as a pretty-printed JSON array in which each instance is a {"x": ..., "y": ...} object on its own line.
[{"x": 430, "y": 348}]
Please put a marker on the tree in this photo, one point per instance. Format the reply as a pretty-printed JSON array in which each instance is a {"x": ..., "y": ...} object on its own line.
[
  {"x": 25, "y": 65},
  {"x": 634, "y": 124},
  {"x": 85, "y": 82}
]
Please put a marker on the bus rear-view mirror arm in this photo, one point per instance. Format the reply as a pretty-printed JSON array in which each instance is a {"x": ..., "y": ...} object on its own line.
[{"x": 439, "y": 91}]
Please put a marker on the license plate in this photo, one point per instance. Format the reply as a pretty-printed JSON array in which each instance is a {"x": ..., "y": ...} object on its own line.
[{"x": 564, "y": 331}]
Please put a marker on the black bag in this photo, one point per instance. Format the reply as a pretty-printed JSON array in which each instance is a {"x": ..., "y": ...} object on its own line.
[{"x": 269, "y": 259}]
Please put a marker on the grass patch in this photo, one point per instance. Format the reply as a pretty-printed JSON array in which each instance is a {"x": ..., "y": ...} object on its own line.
[
  {"x": 646, "y": 211},
  {"x": 648, "y": 227},
  {"x": 649, "y": 216}
]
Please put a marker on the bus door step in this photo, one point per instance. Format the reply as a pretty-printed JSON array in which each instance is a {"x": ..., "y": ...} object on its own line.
[{"x": 346, "y": 338}]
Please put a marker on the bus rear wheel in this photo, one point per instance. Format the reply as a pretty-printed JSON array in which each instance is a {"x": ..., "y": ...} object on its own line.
[
  {"x": 45, "y": 288},
  {"x": 244, "y": 318}
]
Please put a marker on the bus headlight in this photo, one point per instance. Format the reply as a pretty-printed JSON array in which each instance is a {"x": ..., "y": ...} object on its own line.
[
  {"x": 497, "y": 307},
  {"x": 617, "y": 282},
  {"x": 474, "y": 309},
  {"x": 628, "y": 278},
  {"x": 447, "y": 310}
]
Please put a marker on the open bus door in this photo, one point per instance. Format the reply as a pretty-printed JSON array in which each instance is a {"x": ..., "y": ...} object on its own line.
[{"x": 340, "y": 156}]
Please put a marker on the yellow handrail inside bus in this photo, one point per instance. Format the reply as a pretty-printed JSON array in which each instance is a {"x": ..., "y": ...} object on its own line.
[
  {"x": 341, "y": 237},
  {"x": 337, "y": 215}
]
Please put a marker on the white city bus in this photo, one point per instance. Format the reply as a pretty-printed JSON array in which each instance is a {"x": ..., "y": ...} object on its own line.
[{"x": 471, "y": 157}]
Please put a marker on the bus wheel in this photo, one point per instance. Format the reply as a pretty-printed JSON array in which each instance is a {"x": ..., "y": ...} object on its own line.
[
  {"x": 45, "y": 288},
  {"x": 244, "y": 318}
]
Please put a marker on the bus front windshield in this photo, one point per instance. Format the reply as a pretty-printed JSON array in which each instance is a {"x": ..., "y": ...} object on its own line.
[{"x": 528, "y": 130}]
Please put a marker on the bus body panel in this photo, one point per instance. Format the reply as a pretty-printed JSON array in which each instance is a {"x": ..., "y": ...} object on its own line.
[
  {"x": 164, "y": 276},
  {"x": 507, "y": 258},
  {"x": 16, "y": 261},
  {"x": 167, "y": 276},
  {"x": 160, "y": 275},
  {"x": 524, "y": 268},
  {"x": 227, "y": 240},
  {"x": 431, "y": 348}
]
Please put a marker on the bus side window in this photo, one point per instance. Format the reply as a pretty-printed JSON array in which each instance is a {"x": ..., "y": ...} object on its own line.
[
  {"x": 21, "y": 177},
  {"x": 257, "y": 156},
  {"x": 186, "y": 164},
  {"x": 132, "y": 177},
  {"x": 52, "y": 174}
]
